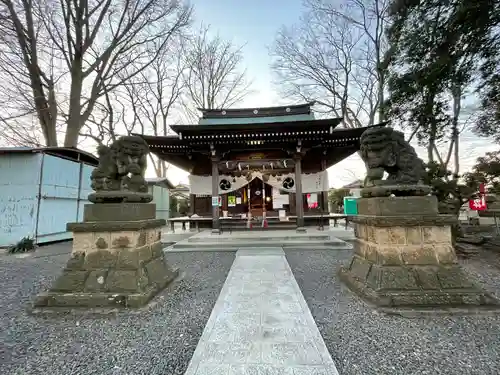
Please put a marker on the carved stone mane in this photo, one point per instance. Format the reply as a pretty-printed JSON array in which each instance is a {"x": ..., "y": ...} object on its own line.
[
  {"x": 119, "y": 177},
  {"x": 385, "y": 150}
]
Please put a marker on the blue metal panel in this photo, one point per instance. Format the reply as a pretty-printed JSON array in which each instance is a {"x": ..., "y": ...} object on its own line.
[
  {"x": 85, "y": 189},
  {"x": 254, "y": 120},
  {"x": 20, "y": 176},
  {"x": 161, "y": 197},
  {"x": 59, "y": 198}
]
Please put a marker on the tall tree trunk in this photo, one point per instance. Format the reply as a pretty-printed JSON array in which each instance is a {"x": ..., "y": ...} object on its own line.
[
  {"x": 457, "y": 97},
  {"x": 431, "y": 122},
  {"x": 74, "y": 119},
  {"x": 381, "y": 104},
  {"x": 46, "y": 110}
]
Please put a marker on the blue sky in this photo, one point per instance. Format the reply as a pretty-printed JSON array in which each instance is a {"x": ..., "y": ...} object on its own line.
[{"x": 254, "y": 24}]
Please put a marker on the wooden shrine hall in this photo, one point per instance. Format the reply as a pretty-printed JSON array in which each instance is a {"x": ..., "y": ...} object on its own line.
[{"x": 258, "y": 163}]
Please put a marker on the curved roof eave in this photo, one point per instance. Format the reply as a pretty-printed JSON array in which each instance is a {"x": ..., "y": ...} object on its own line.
[
  {"x": 237, "y": 110},
  {"x": 255, "y": 127}
]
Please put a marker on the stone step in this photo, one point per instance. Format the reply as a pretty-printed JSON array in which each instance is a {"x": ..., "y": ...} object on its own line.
[
  {"x": 306, "y": 238},
  {"x": 250, "y": 248},
  {"x": 214, "y": 245},
  {"x": 260, "y": 228},
  {"x": 176, "y": 237}
]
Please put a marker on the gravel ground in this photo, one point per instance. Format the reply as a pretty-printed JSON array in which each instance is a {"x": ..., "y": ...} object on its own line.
[
  {"x": 158, "y": 340},
  {"x": 362, "y": 341}
]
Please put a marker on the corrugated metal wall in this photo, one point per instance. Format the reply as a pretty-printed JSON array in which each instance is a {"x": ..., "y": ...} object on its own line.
[
  {"x": 85, "y": 189},
  {"x": 19, "y": 182},
  {"x": 40, "y": 195},
  {"x": 161, "y": 197}
]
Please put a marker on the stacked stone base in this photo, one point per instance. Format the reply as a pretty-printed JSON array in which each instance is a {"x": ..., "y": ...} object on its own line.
[
  {"x": 409, "y": 261},
  {"x": 413, "y": 286},
  {"x": 113, "y": 264}
]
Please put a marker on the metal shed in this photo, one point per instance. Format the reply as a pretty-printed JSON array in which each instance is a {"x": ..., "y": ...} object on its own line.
[
  {"x": 42, "y": 189},
  {"x": 160, "y": 188}
]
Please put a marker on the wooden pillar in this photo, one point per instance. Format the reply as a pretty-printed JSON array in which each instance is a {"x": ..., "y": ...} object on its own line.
[
  {"x": 192, "y": 204},
  {"x": 324, "y": 202},
  {"x": 291, "y": 203},
  {"x": 215, "y": 194},
  {"x": 299, "y": 198}
]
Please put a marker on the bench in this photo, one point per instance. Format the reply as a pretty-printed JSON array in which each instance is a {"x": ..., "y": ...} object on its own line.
[{"x": 194, "y": 223}]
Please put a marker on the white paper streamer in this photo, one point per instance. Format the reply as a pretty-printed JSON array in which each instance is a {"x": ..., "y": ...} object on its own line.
[{"x": 311, "y": 183}]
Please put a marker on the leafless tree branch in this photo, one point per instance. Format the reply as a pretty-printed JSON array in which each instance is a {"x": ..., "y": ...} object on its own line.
[
  {"x": 334, "y": 56},
  {"x": 94, "y": 47},
  {"x": 215, "y": 78}
]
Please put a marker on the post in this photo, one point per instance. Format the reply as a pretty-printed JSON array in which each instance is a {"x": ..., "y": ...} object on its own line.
[
  {"x": 215, "y": 194},
  {"x": 324, "y": 194},
  {"x": 299, "y": 201},
  {"x": 192, "y": 204},
  {"x": 249, "y": 216}
]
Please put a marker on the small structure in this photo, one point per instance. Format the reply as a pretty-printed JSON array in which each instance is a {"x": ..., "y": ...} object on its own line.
[
  {"x": 183, "y": 198},
  {"x": 354, "y": 188},
  {"x": 117, "y": 258},
  {"x": 258, "y": 162},
  {"x": 181, "y": 191},
  {"x": 491, "y": 216},
  {"x": 404, "y": 255},
  {"x": 41, "y": 189},
  {"x": 160, "y": 188}
]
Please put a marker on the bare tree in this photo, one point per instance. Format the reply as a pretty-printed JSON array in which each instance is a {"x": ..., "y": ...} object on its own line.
[
  {"x": 101, "y": 45},
  {"x": 156, "y": 103},
  {"x": 148, "y": 104},
  {"x": 336, "y": 57},
  {"x": 107, "y": 122},
  {"x": 214, "y": 78},
  {"x": 28, "y": 82}
]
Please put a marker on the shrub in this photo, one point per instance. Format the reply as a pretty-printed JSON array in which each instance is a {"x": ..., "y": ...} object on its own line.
[{"x": 23, "y": 246}]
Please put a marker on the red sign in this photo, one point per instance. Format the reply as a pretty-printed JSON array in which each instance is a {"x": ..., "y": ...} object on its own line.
[
  {"x": 312, "y": 202},
  {"x": 478, "y": 204}
]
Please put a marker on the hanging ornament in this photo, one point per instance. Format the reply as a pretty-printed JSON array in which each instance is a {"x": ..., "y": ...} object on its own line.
[{"x": 288, "y": 183}]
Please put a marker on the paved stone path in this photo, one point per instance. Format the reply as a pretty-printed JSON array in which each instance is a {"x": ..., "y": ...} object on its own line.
[{"x": 261, "y": 324}]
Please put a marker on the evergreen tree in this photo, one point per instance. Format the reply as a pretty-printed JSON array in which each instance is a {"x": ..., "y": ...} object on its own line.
[{"x": 438, "y": 51}]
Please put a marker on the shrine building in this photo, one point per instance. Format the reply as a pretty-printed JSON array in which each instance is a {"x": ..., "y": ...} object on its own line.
[{"x": 258, "y": 162}]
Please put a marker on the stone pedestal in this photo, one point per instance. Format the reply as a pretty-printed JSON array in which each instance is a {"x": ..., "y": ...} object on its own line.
[
  {"x": 407, "y": 260},
  {"x": 117, "y": 263}
]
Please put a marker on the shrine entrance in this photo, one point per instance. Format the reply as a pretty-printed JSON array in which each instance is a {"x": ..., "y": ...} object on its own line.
[{"x": 260, "y": 197}]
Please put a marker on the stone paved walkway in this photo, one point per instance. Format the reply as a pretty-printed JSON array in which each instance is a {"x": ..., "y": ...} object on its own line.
[{"x": 261, "y": 324}]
